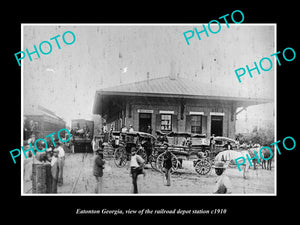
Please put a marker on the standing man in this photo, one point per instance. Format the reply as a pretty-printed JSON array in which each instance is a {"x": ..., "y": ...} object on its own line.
[
  {"x": 31, "y": 141},
  {"x": 61, "y": 162},
  {"x": 167, "y": 164},
  {"x": 54, "y": 170},
  {"x": 111, "y": 132},
  {"x": 31, "y": 127},
  {"x": 223, "y": 184},
  {"x": 136, "y": 167},
  {"x": 25, "y": 130},
  {"x": 212, "y": 142},
  {"x": 95, "y": 144},
  {"x": 98, "y": 170},
  {"x": 105, "y": 132}
]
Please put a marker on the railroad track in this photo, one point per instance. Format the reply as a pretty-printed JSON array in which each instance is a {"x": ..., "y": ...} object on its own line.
[
  {"x": 81, "y": 162},
  {"x": 77, "y": 178}
]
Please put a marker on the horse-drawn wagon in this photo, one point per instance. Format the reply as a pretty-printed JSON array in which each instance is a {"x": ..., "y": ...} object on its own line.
[
  {"x": 143, "y": 143},
  {"x": 183, "y": 146}
]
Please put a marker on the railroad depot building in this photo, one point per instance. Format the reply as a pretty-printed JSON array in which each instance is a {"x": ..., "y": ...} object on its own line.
[{"x": 172, "y": 104}]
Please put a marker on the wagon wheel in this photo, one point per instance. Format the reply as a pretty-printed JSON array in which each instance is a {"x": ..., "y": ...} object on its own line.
[
  {"x": 153, "y": 159},
  {"x": 160, "y": 160},
  {"x": 120, "y": 157},
  {"x": 203, "y": 166}
]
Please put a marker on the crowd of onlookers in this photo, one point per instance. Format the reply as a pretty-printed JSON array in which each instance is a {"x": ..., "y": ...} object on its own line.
[{"x": 54, "y": 155}]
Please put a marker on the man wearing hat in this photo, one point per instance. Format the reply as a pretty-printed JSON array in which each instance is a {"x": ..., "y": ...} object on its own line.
[
  {"x": 223, "y": 184},
  {"x": 31, "y": 141},
  {"x": 98, "y": 170},
  {"x": 54, "y": 170}
]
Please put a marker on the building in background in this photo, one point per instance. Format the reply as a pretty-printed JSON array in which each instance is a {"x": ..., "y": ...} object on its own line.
[
  {"x": 108, "y": 55},
  {"x": 172, "y": 103}
]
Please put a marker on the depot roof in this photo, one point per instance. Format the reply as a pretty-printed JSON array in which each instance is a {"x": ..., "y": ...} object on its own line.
[{"x": 176, "y": 88}]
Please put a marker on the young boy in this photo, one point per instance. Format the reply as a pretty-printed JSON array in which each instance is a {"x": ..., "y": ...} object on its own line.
[
  {"x": 98, "y": 170},
  {"x": 223, "y": 184}
]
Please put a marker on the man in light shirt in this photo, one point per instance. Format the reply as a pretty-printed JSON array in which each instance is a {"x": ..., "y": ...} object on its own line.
[
  {"x": 61, "y": 162},
  {"x": 130, "y": 129},
  {"x": 136, "y": 167},
  {"x": 223, "y": 184},
  {"x": 54, "y": 170},
  {"x": 124, "y": 129}
]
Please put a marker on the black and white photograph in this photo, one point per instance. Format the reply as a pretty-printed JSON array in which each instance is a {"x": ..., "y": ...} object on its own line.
[
  {"x": 149, "y": 109},
  {"x": 149, "y": 112}
]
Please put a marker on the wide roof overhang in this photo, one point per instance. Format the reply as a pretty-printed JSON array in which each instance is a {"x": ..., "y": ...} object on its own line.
[{"x": 104, "y": 99}]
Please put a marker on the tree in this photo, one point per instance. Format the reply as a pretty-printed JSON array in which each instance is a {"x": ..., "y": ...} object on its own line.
[{"x": 262, "y": 136}]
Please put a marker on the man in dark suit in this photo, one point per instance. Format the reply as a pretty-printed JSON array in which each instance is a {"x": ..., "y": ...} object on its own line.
[{"x": 98, "y": 170}]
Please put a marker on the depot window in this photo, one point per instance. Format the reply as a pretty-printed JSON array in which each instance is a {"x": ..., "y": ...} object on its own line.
[
  {"x": 166, "y": 122},
  {"x": 196, "y": 126}
]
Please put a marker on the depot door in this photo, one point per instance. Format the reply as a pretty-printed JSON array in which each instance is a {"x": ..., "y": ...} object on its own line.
[
  {"x": 217, "y": 125},
  {"x": 144, "y": 121}
]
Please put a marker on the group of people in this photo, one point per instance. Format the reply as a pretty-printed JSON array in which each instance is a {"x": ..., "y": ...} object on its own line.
[
  {"x": 81, "y": 132},
  {"x": 53, "y": 155},
  {"x": 137, "y": 164},
  {"x": 125, "y": 129},
  {"x": 108, "y": 134}
]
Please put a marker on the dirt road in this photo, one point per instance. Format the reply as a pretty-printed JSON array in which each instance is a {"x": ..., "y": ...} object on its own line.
[{"x": 78, "y": 170}]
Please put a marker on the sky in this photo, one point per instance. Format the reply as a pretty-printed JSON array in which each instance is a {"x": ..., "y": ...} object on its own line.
[{"x": 65, "y": 80}]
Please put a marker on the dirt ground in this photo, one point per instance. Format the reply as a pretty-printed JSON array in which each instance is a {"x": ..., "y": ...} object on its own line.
[{"x": 79, "y": 179}]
